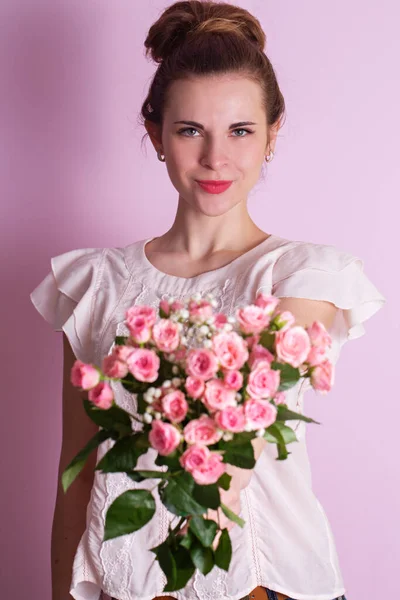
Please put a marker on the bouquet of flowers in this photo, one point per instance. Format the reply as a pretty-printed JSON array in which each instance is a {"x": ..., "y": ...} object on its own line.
[{"x": 204, "y": 386}]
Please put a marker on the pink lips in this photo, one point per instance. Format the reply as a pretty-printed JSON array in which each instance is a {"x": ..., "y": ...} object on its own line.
[{"x": 213, "y": 186}]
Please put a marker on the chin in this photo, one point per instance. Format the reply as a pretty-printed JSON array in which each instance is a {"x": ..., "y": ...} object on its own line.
[{"x": 215, "y": 207}]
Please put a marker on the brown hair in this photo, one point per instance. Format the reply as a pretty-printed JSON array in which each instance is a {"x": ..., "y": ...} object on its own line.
[{"x": 204, "y": 38}]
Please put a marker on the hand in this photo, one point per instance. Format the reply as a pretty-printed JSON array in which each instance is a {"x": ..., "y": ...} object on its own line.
[{"x": 230, "y": 498}]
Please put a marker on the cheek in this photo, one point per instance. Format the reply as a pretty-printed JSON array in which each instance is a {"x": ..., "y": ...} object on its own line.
[
  {"x": 248, "y": 158},
  {"x": 182, "y": 160},
  {"x": 181, "y": 153},
  {"x": 249, "y": 163}
]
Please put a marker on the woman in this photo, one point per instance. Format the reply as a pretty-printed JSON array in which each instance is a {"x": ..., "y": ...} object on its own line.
[{"x": 213, "y": 112}]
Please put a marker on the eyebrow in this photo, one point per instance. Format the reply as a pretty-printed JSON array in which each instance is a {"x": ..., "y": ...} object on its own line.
[{"x": 200, "y": 126}]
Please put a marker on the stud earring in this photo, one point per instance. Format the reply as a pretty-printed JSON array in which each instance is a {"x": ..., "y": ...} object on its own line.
[
  {"x": 160, "y": 156},
  {"x": 269, "y": 157}
]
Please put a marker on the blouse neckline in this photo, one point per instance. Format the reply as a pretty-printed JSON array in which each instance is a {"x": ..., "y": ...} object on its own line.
[{"x": 245, "y": 257}]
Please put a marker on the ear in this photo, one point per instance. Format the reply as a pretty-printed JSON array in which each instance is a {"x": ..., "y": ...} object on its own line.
[
  {"x": 272, "y": 135},
  {"x": 154, "y": 132}
]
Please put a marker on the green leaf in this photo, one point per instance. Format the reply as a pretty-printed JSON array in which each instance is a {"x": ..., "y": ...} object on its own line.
[
  {"x": 162, "y": 313},
  {"x": 289, "y": 375},
  {"x": 142, "y": 475},
  {"x": 184, "y": 569},
  {"x": 141, "y": 403},
  {"x": 223, "y": 553},
  {"x": 240, "y": 438},
  {"x": 204, "y": 529},
  {"x": 278, "y": 438},
  {"x": 128, "y": 513},
  {"x": 284, "y": 414},
  {"x": 240, "y": 455},
  {"x": 77, "y": 463},
  {"x": 177, "y": 496},
  {"x": 120, "y": 340},
  {"x": 286, "y": 432},
  {"x": 207, "y": 495},
  {"x": 267, "y": 340},
  {"x": 203, "y": 558},
  {"x": 115, "y": 418},
  {"x": 166, "y": 561},
  {"x": 187, "y": 540},
  {"x": 132, "y": 385},
  {"x": 124, "y": 455},
  {"x": 231, "y": 515},
  {"x": 171, "y": 461},
  {"x": 224, "y": 481}
]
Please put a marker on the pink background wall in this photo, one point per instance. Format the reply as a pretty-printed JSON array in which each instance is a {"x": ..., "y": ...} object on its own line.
[{"x": 73, "y": 175}]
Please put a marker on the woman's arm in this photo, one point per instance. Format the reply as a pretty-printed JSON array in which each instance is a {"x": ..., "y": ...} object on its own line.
[{"x": 69, "y": 521}]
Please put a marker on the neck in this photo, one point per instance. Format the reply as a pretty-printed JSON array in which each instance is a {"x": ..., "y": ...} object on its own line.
[{"x": 199, "y": 235}]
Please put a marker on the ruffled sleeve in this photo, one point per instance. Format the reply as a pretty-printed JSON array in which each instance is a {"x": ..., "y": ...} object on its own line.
[
  {"x": 65, "y": 297},
  {"x": 322, "y": 272}
]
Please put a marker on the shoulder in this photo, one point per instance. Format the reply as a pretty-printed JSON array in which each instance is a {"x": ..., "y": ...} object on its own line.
[{"x": 295, "y": 256}]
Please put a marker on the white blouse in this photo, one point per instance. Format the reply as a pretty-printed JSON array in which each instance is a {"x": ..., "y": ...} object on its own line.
[{"x": 287, "y": 543}]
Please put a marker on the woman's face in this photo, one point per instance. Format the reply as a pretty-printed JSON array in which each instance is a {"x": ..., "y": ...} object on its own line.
[{"x": 214, "y": 129}]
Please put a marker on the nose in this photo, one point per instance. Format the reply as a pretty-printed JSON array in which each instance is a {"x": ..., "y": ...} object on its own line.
[{"x": 214, "y": 155}]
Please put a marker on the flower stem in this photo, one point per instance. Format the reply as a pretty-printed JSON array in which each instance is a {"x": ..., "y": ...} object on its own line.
[{"x": 178, "y": 526}]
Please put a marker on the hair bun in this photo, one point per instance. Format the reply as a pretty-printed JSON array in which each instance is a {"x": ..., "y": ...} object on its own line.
[{"x": 182, "y": 20}]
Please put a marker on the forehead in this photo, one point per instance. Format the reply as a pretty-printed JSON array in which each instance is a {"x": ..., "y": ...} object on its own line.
[{"x": 229, "y": 97}]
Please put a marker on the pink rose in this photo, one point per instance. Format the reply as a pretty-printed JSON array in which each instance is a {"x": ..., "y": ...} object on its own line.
[
  {"x": 144, "y": 364},
  {"x": 319, "y": 336},
  {"x": 252, "y": 318},
  {"x": 199, "y": 311},
  {"x": 165, "y": 307},
  {"x": 218, "y": 395},
  {"x": 258, "y": 352},
  {"x": 206, "y": 467},
  {"x": 102, "y": 395},
  {"x": 202, "y": 431},
  {"x": 253, "y": 340},
  {"x": 316, "y": 356},
  {"x": 147, "y": 312},
  {"x": 177, "y": 305},
  {"x": 84, "y": 375},
  {"x": 322, "y": 377},
  {"x": 174, "y": 406},
  {"x": 195, "y": 387},
  {"x": 114, "y": 365},
  {"x": 122, "y": 352},
  {"x": 268, "y": 303},
  {"x": 166, "y": 335},
  {"x": 280, "y": 398},
  {"x": 260, "y": 414},
  {"x": 284, "y": 320},
  {"x": 210, "y": 471},
  {"x": 201, "y": 363},
  {"x": 233, "y": 380},
  {"x": 231, "y": 418},
  {"x": 320, "y": 342},
  {"x": 139, "y": 330},
  {"x": 220, "y": 320},
  {"x": 163, "y": 437},
  {"x": 292, "y": 345},
  {"x": 230, "y": 349},
  {"x": 180, "y": 354},
  {"x": 194, "y": 457},
  {"x": 263, "y": 382}
]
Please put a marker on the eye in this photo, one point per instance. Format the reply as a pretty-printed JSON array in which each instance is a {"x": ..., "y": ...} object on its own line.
[
  {"x": 245, "y": 130},
  {"x": 185, "y": 130}
]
